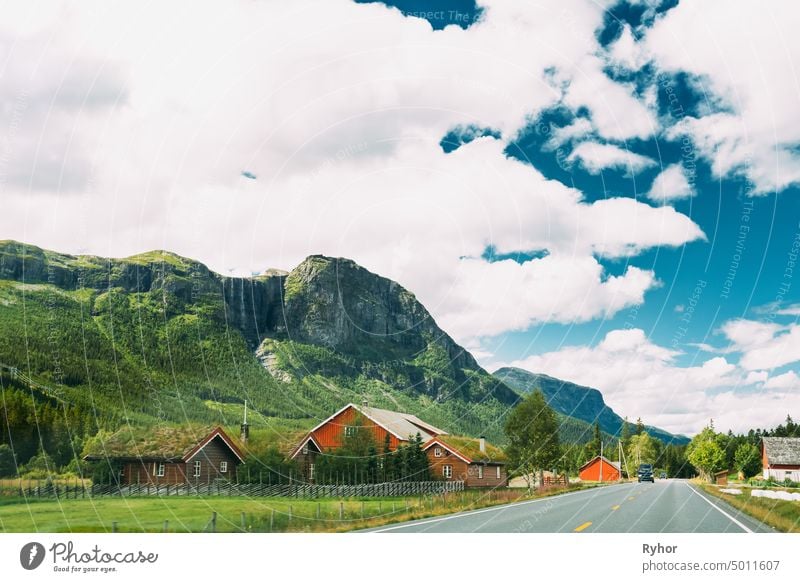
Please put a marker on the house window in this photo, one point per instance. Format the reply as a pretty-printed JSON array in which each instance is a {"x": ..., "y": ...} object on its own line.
[
  {"x": 437, "y": 452},
  {"x": 498, "y": 471},
  {"x": 349, "y": 431},
  {"x": 160, "y": 470},
  {"x": 447, "y": 471},
  {"x": 305, "y": 448},
  {"x": 311, "y": 471},
  {"x": 197, "y": 465},
  {"x": 480, "y": 471},
  {"x": 223, "y": 466}
]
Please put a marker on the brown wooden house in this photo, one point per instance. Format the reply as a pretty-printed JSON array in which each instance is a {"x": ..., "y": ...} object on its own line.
[
  {"x": 170, "y": 455},
  {"x": 474, "y": 461}
]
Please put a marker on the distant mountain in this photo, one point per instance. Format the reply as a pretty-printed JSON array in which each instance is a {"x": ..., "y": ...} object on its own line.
[
  {"x": 159, "y": 337},
  {"x": 576, "y": 401}
]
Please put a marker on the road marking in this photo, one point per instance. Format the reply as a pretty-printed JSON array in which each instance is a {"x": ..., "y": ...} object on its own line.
[
  {"x": 583, "y": 526},
  {"x": 616, "y": 507},
  {"x": 714, "y": 505},
  {"x": 424, "y": 521},
  {"x": 631, "y": 498}
]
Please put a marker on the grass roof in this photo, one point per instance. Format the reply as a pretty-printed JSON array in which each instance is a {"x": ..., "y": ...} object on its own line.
[
  {"x": 159, "y": 442},
  {"x": 471, "y": 448}
]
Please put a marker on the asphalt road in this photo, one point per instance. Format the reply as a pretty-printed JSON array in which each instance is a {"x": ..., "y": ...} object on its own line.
[{"x": 666, "y": 506}]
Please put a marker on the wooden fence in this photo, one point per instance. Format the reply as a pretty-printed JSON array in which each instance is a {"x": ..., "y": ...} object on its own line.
[{"x": 227, "y": 489}]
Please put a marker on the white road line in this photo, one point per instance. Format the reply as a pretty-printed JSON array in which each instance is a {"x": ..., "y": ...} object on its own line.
[
  {"x": 477, "y": 511},
  {"x": 714, "y": 505}
]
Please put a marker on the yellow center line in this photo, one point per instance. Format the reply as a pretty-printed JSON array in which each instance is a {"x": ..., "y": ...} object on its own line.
[
  {"x": 616, "y": 507},
  {"x": 583, "y": 526},
  {"x": 631, "y": 498}
]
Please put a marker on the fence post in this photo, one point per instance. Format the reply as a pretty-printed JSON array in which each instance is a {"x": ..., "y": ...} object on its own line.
[
  {"x": 166, "y": 525},
  {"x": 318, "y": 509},
  {"x": 113, "y": 527},
  {"x": 271, "y": 519},
  {"x": 362, "y": 510},
  {"x": 290, "y": 514},
  {"x": 341, "y": 510},
  {"x": 244, "y": 522},
  {"x": 213, "y": 522}
]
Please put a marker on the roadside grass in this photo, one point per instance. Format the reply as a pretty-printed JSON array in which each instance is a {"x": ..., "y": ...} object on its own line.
[
  {"x": 238, "y": 514},
  {"x": 782, "y": 515}
]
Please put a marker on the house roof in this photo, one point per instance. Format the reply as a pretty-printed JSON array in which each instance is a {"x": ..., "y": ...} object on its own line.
[
  {"x": 402, "y": 425},
  {"x": 165, "y": 443},
  {"x": 782, "y": 450},
  {"x": 469, "y": 449},
  {"x": 399, "y": 424},
  {"x": 614, "y": 464}
]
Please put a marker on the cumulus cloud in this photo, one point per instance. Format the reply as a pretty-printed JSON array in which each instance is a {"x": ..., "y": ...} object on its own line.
[
  {"x": 596, "y": 157},
  {"x": 341, "y": 124},
  {"x": 640, "y": 378},
  {"x": 763, "y": 345},
  {"x": 671, "y": 184},
  {"x": 745, "y": 54}
]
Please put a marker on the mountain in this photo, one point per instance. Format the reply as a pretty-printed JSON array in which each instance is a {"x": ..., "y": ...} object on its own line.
[
  {"x": 159, "y": 337},
  {"x": 578, "y": 402}
]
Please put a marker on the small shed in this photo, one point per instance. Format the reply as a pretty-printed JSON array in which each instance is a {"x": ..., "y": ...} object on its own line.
[
  {"x": 600, "y": 469},
  {"x": 721, "y": 477}
]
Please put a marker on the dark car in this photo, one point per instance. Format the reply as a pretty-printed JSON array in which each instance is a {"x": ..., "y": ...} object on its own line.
[{"x": 645, "y": 473}]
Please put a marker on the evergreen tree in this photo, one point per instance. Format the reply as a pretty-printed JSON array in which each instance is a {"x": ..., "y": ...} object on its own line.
[
  {"x": 8, "y": 466},
  {"x": 594, "y": 446},
  {"x": 639, "y": 426}
]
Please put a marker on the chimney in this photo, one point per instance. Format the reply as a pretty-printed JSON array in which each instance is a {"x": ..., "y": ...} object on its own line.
[
  {"x": 245, "y": 434},
  {"x": 482, "y": 444}
]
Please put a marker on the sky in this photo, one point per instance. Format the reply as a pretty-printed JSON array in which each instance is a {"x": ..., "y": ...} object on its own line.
[{"x": 605, "y": 192}]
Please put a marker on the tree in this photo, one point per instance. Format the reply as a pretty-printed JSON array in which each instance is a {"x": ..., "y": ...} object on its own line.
[
  {"x": 747, "y": 459},
  {"x": 8, "y": 466},
  {"x": 639, "y": 426},
  {"x": 625, "y": 434},
  {"x": 642, "y": 449},
  {"x": 532, "y": 431},
  {"x": 594, "y": 446},
  {"x": 705, "y": 453}
]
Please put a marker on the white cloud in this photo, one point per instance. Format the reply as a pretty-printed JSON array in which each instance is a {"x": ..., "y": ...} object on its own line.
[
  {"x": 748, "y": 55},
  {"x": 669, "y": 185},
  {"x": 763, "y": 346},
  {"x": 338, "y": 108},
  {"x": 640, "y": 378},
  {"x": 793, "y": 310},
  {"x": 787, "y": 381},
  {"x": 596, "y": 157}
]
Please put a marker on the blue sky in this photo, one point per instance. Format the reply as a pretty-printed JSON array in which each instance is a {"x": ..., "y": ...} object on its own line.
[{"x": 607, "y": 192}]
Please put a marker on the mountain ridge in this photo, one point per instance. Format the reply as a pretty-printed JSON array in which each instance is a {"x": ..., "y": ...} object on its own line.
[{"x": 582, "y": 402}]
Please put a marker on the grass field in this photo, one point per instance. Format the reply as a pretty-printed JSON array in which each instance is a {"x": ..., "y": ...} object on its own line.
[
  {"x": 782, "y": 515},
  {"x": 237, "y": 514}
]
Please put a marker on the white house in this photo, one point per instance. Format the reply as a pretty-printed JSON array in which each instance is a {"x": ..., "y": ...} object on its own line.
[{"x": 780, "y": 458}]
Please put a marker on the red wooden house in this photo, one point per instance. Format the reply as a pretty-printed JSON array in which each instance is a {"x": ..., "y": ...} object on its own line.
[
  {"x": 600, "y": 469},
  {"x": 331, "y": 432},
  {"x": 167, "y": 455}
]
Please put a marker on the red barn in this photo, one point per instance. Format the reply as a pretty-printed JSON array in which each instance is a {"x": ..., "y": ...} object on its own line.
[
  {"x": 330, "y": 433},
  {"x": 600, "y": 469}
]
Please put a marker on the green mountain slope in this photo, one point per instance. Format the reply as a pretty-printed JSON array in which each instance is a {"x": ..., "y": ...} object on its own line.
[
  {"x": 579, "y": 402},
  {"x": 157, "y": 337}
]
